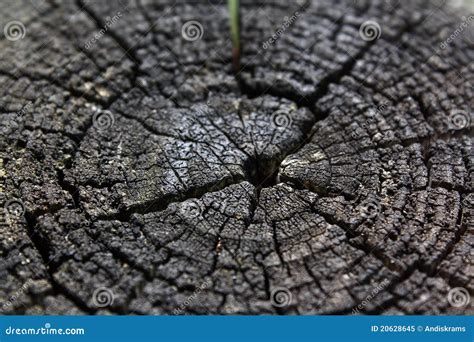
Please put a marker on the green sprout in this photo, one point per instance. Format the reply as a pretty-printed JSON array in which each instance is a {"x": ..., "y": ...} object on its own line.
[{"x": 234, "y": 10}]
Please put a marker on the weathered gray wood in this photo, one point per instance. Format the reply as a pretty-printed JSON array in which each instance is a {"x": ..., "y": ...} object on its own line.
[{"x": 334, "y": 170}]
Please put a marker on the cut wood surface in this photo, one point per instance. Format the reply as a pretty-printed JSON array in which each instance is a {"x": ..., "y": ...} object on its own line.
[{"x": 332, "y": 175}]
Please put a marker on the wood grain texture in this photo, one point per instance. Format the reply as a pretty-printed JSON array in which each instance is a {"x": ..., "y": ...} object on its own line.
[{"x": 334, "y": 170}]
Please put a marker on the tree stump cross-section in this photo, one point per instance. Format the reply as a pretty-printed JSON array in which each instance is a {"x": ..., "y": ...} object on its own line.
[{"x": 333, "y": 174}]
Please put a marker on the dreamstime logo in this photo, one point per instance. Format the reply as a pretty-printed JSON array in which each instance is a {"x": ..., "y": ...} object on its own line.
[
  {"x": 47, "y": 329},
  {"x": 281, "y": 120},
  {"x": 459, "y": 119},
  {"x": 370, "y": 208},
  {"x": 103, "y": 120},
  {"x": 280, "y": 297},
  {"x": 14, "y": 30},
  {"x": 14, "y": 208},
  {"x": 192, "y": 30},
  {"x": 102, "y": 297},
  {"x": 458, "y": 297},
  {"x": 370, "y": 30}
]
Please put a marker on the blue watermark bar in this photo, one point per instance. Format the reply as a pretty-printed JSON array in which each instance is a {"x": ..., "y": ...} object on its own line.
[{"x": 237, "y": 328}]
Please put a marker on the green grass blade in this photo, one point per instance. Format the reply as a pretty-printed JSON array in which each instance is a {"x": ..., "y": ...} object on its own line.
[{"x": 234, "y": 11}]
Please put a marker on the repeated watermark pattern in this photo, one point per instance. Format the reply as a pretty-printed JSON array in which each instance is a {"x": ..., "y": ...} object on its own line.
[
  {"x": 191, "y": 209},
  {"x": 191, "y": 298},
  {"x": 459, "y": 119},
  {"x": 281, "y": 297},
  {"x": 370, "y": 208},
  {"x": 14, "y": 298},
  {"x": 12, "y": 122},
  {"x": 192, "y": 30},
  {"x": 40, "y": 5},
  {"x": 370, "y": 30},
  {"x": 14, "y": 209},
  {"x": 103, "y": 120},
  {"x": 371, "y": 119},
  {"x": 459, "y": 297},
  {"x": 281, "y": 120},
  {"x": 102, "y": 297},
  {"x": 14, "y": 30},
  {"x": 202, "y": 109},
  {"x": 458, "y": 31},
  {"x": 379, "y": 288},
  {"x": 287, "y": 23},
  {"x": 109, "y": 23}
]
